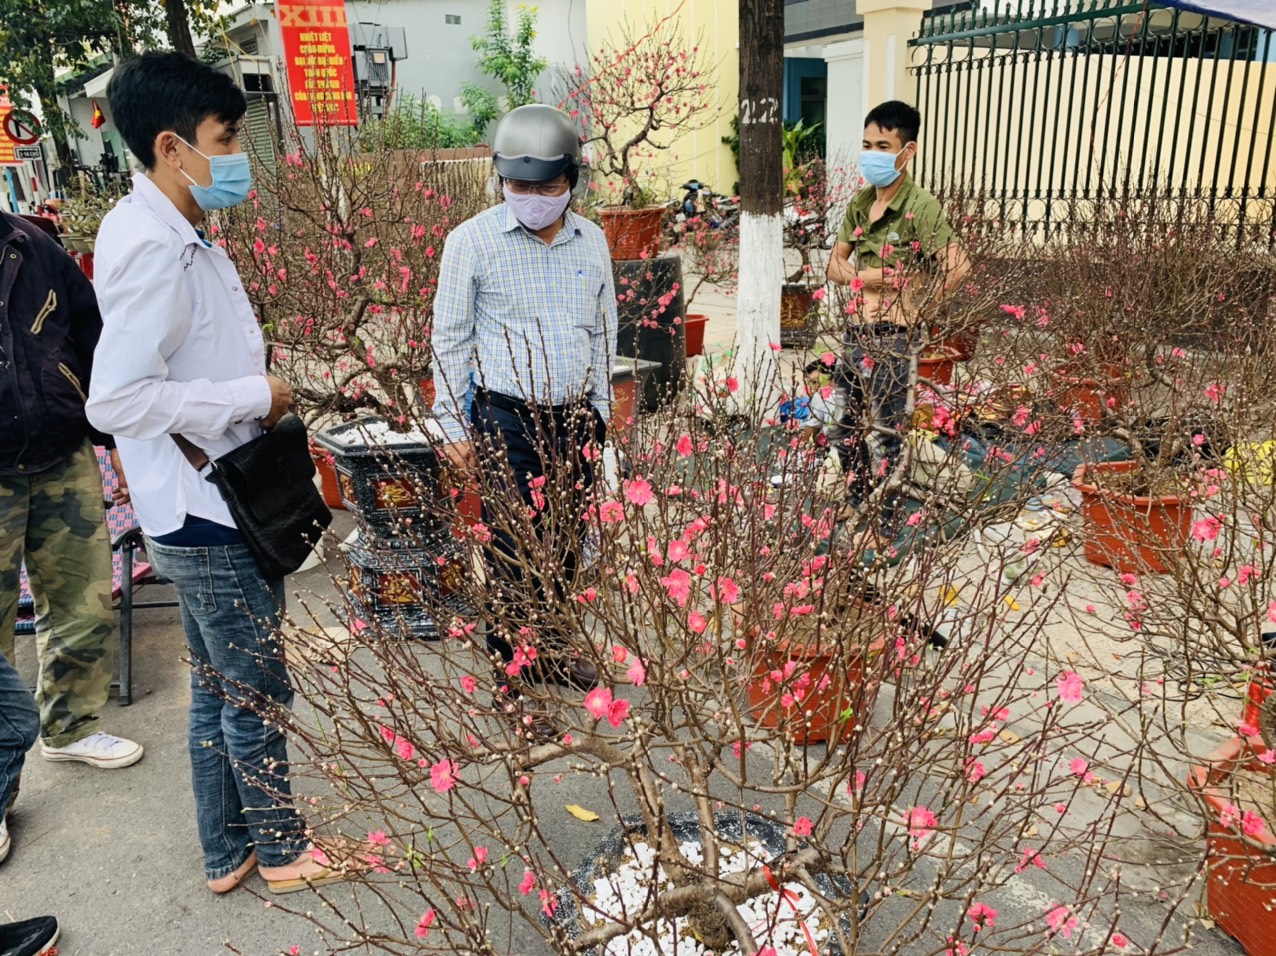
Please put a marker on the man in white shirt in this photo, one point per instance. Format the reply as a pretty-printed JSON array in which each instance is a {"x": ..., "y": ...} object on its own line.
[{"x": 181, "y": 353}]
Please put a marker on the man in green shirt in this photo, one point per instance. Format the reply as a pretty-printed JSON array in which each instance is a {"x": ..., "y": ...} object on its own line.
[{"x": 898, "y": 255}]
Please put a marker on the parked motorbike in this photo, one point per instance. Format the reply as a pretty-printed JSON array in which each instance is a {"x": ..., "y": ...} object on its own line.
[{"x": 699, "y": 202}]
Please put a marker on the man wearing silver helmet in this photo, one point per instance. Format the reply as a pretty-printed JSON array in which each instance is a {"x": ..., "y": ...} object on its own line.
[{"x": 524, "y": 333}]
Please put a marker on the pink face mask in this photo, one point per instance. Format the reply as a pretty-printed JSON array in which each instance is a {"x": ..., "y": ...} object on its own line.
[{"x": 537, "y": 212}]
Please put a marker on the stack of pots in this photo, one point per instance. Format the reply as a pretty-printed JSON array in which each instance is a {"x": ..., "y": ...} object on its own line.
[{"x": 405, "y": 564}]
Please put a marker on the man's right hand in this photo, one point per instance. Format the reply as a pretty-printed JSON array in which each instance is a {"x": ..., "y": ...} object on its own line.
[
  {"x": 280, "y": 401},
  {"x": 460, "y": 457}
]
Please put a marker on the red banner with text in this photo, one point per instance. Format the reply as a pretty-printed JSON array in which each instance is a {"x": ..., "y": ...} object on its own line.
[{"x": 317, "y": 54}]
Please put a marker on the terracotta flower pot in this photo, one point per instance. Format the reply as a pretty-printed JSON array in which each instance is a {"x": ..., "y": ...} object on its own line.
[
  {"x": 1088, "y": 397},
  {"x": 1260, "y": 697},
  {"x": 1241, "y": 891},
  {"x": 961, "y": 344},
  {"x": 695, "y": 334},
  {"x": 815, "y": 691},
  {"x": 831, "y": 688},
  {"x": 327, "y": 477},
  {"x": 937, "y": 366},
  {"x": 1130, "y": 532},
  {"x": 632, "y": 233},
  {"x": 466, "y": 502},
  {"x": 426, "y": 394},
  {"x": 1258, "y": 712}
]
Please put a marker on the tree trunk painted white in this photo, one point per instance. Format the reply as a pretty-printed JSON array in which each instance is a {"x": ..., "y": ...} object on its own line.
[
  {"x": 761, "y": 204},
  {"x": 758, "y": 310}
]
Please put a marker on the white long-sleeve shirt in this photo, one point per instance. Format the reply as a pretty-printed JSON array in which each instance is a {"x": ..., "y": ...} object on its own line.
[{"x": 180, "y": 351}]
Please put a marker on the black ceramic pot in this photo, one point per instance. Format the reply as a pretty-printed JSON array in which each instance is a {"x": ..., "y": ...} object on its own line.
[
  {"x": 608, "y": 855},
  {"x": 389, "y": 485},
  {"x": 404, "y": 586}
]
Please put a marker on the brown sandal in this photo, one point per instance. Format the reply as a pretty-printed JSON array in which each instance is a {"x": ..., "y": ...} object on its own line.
[{"x": 311, "y": 873}]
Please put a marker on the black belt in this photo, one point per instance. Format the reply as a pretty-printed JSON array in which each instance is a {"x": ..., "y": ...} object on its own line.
[{"x": 517, "y": 406}]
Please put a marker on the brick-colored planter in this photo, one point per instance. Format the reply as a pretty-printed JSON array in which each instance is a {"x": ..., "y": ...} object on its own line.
[
  {"x": 1241, "y": 888},
  {"x": 1132, "y": 533}
]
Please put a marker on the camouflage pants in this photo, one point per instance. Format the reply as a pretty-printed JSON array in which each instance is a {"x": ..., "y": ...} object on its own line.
[{"x": 55, "y": 521}]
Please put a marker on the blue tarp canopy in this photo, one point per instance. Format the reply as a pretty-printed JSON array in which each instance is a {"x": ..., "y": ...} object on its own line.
[{"x": 1261, "y": 13}]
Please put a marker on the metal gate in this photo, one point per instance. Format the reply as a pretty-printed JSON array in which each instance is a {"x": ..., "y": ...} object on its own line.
[{"x": 1049, "y": 106}]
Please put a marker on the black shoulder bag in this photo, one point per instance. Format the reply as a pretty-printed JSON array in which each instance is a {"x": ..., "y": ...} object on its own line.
[{"x": 268, "y": 484}]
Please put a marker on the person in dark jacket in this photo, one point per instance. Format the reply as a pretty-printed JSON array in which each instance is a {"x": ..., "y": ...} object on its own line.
[{"x": 51, "y": 494}]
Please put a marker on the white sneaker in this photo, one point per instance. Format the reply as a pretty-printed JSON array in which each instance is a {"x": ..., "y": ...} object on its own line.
[
  {"x": 5, "y": 842},
  {"x": 99, "y": 750}
]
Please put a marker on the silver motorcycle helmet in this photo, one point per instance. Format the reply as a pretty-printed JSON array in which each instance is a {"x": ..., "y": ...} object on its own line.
[{"x": 536, "y": 143}]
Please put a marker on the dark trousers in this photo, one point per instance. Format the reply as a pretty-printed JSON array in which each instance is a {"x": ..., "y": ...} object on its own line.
[
  {"x": 874, "y": 379},
  {"x": 537, "y": 459}
]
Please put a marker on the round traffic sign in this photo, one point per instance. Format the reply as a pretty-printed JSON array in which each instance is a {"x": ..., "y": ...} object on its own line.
[{"x": 22, "y": 127}]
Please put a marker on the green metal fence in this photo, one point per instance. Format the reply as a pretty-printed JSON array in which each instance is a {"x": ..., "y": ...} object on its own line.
[{"x": 1045, "y": 107}]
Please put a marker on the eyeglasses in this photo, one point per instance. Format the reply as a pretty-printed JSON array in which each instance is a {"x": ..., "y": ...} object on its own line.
[{"x": 523, "y": 188}]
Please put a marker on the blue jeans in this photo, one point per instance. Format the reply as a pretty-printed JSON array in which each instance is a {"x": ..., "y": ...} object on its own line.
[
  {"x": 19, "y": 728},
  {"x": 239, "y": 762}
]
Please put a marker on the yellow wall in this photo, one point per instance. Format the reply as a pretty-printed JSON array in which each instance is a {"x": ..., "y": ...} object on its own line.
[{"x": 698, "y": 154}]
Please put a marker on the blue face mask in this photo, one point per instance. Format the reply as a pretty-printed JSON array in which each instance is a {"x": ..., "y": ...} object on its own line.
[
  {"x": 878, "y": 168},
  {"x": 232, "y": 181}
]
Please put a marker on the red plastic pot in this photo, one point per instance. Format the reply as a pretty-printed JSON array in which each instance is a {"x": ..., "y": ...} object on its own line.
[
  {"x": 328, "y": 486},
  {"x": 832, "y": 691},
  {"x": 425, "y": 393},
  {"x": 812, "y": 691},
  {"x": 938, "y": 366},
  {"x": 695, "y": 334},
  {"x": 961, "y": 344},
  {"x": 624, "y": 402},
  {"x": 468, "y": 504},
  {"x": 632, "y": 233},
  {"x": 1086, "y": 397},
  {"x": 1241, "y": 888},
  {"x": 1131, "y": 533},
  {"x": 1261, "y": 686}
]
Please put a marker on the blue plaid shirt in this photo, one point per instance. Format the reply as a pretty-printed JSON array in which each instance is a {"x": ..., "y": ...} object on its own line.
[{"x": 516, "y": 316}]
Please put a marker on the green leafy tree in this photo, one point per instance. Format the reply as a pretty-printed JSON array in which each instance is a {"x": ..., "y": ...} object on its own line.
[
  {"x": 416, "y": 124},
  {"x": 39, "y": 39},
  {"x": 507, "y": 57}
]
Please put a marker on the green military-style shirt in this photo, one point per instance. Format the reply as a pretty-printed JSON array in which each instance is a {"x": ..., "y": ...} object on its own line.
[{"x": 913, "y": 216}]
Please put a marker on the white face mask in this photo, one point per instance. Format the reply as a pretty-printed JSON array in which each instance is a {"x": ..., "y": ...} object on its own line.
[{"x": 537, "y": 212}]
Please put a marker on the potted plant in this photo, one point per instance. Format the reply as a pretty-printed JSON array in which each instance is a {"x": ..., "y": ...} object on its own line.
[
  {"x": 339, "y": 252},
  {"x": 811, "y": 204},
  {"x": 642, "y": 92},
  {"x": 1238, "y": 790},
  {"x": 1132, "y": 523},
  {"x": 82, "y": 214},
  {"x": 818, "y": 681},
  {"x": 481, "y": 803}
]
